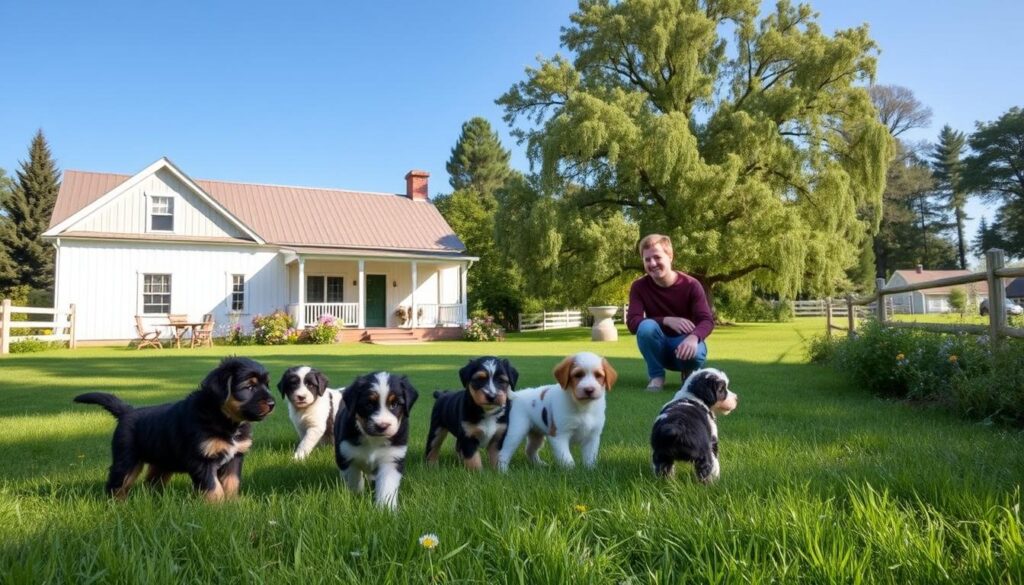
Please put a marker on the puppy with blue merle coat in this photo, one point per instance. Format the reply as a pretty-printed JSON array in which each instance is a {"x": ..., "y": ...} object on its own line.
[
  {"x": 371, "y": 434},
  {"x": 478, "y": 415},
  {"x": 686, "y": 429},
  {"x": 312, "y": 407},
  {"x": 206, "y": 435}
]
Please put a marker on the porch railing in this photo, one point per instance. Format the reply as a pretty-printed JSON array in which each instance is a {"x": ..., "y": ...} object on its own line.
[
  {"x": 440, "y": 315},
  {"x": 347, "y": 313}
]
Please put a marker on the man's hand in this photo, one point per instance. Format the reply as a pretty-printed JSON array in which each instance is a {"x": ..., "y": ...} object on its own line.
[
  {"x": 679, "y": 324},
  {"x": 688, "y": 348}
]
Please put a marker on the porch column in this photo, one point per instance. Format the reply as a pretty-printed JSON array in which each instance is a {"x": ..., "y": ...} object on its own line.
[
  {"x": 301, "y": 321},
  {"x": 362, "y": 294},
  {"x": 412, "y": 298},
  {"x": 465, "y": 306}
]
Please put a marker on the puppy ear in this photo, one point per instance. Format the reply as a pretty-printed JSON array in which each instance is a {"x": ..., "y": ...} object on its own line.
[
  {"x": 348, "y": 395},
  {"x": 466, "y": 372},
  {"x": 513, "y": 374},
  {"x": 411, "y": 395},
  {"x": 280, "y": 383},
  {"x": 610, "y": 375},
  {"x": 220, "y": 379},
  {"x": 321, "y": 382},
  {"x": 563, "y": 370},
  {"x": 721, "y": 387}
]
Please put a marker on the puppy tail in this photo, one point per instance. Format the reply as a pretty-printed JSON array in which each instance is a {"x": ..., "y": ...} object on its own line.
[{"x": 109, "y": 402}]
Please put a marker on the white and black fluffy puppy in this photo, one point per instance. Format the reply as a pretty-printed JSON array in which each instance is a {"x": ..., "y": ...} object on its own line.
[
  {"x": 371, "y": 434},
  {"x": 312, "y": 407},
  {"x": 686, "y": 430},
  {"x": 478, "y": 415}
]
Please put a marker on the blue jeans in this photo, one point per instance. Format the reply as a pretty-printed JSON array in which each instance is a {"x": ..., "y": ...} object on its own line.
[{"x": 659, "y": 349}]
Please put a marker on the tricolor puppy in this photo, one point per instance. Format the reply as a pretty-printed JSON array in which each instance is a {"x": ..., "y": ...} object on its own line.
[
  {"x": 685, "y": 430},
  {"x": 569, "y": 412},
  {"x": 476, "y": 416},
  {"x": 311, "y": 406},
  {"x": 371, "y": 434},
  {"x": 206, "y": 435}
]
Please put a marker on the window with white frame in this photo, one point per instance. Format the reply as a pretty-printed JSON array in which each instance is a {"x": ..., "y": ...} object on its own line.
[
  {"x": 238, "y": 292},
  {"x": 325, "y": 289},
  {"x": 161, "y": 213},
  {"x": 156, "y": 294}
]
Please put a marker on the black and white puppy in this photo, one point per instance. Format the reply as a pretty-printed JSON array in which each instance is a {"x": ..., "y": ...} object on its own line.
[
  {"x": 686, "y": 430},
  {"x": 311, "y": 407},
  {"x": 476, "y": 416},
  {"x": 205, "y": 435},
  {"x": 371, "y": 434}
]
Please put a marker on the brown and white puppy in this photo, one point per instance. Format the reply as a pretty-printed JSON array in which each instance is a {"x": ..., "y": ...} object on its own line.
[
  {"x": 686, "y": 429},
  {"x": 570, "y": 412},
  {"x": 476, "y": 416},
  {"x": 371, "y": 434},
  {"x": 311, "y": 407},
  {"x": 206, "y": 435}
]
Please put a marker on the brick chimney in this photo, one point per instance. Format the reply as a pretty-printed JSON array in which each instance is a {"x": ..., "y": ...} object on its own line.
[
  {"x": 416, "y": 185},
  {"x": 920, "y": 269}
]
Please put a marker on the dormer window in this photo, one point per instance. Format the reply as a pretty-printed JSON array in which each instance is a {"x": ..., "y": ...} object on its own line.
[{"x": 161, "y": 214}]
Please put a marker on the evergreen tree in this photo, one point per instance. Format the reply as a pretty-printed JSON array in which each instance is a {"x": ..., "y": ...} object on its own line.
[
  {"x": 765, "y": 165},
  {"x": 8, "y": 269},
  {"x": 478, "y": 161},
  {"x": 947, "y": 165},
  {"x": 987, "y": 238},
  {"x": 28, "y": 209},
  {"x": 478, "y": 168},
  {"x": 996, "y": 171}
]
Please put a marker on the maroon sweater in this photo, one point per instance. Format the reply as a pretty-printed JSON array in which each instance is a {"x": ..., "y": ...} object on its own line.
[{"x": 684, "y": 299}]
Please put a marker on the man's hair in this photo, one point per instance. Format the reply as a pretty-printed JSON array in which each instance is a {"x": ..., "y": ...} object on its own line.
[{"x": 653, "y": 240}]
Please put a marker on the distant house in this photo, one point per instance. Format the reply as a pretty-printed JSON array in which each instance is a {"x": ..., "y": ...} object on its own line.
[
  {"x": 159, "y": 242},
  {"x": 1015, "y": 290},
  {"x": 931, "y": 300}
]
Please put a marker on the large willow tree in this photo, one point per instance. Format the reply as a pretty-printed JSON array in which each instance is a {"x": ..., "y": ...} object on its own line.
[{"x": 751, "y": 141}]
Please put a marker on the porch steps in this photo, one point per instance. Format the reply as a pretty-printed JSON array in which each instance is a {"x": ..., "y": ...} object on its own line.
[{"x": 390, "y": 336}]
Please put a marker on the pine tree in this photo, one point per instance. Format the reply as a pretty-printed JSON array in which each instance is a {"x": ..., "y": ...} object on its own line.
[
  {"x": 478, "y": 160},
  {"x": 986, "y": 238},
  {"x": 947, "y": 165},
  {"x": 995, "y": 171},
  {"x": 28, "y": 209},
  {"x": 8, "y": 269}
]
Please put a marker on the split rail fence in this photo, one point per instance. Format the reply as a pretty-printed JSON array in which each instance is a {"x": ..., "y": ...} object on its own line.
[
  {"x": 994, "y": 273},
  {"x": 61, "y": 323}
]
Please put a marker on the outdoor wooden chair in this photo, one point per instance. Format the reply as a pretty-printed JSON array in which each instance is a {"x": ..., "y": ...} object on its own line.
[
  {"x": 203, "y": 335},
  {"x": 146, "y": 338}
]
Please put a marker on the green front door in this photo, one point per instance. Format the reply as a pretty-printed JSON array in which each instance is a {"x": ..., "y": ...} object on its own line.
[{"x": 376, "y": 300}]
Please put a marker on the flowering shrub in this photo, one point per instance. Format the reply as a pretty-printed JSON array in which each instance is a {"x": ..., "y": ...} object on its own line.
[
  {"x": 481, "y": 327},
  {"x": 236, "y": 336},
  {"x": 273, "y": 329},
  {"x": 325, "y": 330}
]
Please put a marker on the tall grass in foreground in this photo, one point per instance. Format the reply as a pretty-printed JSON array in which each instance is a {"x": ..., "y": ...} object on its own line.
[{"x": 821, "y": 483}]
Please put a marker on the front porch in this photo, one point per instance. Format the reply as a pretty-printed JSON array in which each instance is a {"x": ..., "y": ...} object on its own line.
[{"x": 370, "y": 293}]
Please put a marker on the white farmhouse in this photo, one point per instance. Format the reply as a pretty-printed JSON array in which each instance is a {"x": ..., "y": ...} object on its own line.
[{"x": 159, "y": 242}]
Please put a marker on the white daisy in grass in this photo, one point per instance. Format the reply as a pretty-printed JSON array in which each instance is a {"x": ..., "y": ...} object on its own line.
[{"x": 429, "y": 541}]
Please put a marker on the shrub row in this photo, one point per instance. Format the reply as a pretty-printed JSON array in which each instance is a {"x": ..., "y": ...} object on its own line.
[{"x": 961, "y": 371}]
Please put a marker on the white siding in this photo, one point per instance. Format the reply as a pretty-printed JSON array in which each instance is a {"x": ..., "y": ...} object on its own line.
[
  {"x": 129, "y": 212},
  {"x": 103, "y": 279}
]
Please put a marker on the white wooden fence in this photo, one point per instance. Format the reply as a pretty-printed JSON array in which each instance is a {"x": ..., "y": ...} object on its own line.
[
  {"x": 62, "y": 325},
  {"x": 819, "y": 308},
  {"x": 550, "y": 320}
]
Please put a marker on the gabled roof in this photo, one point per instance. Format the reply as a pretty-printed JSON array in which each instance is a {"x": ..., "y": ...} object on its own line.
[
  {"x": 1015, "y": 289},
  {"x": 293, "y": 216},
  {"x": 914, "y": 277}
]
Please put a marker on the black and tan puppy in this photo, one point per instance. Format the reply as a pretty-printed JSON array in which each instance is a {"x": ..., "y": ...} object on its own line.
[
  {"x": 478, "y": 415},
  {"x": 686, "y": 429},
  {"x": 371, "y": 434},
  {"x": 206, "y": 435}
]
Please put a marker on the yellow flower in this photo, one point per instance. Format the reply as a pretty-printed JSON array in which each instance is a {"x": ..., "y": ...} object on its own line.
[
  {"x": 429, "y": 541},
  {"x": 899, "y": 357},
  {"x": 581, "y": 508},
  {"x": 953, "y": 358}
]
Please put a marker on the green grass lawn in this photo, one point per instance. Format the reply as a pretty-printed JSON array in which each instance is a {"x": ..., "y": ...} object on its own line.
[{"x": 821, "y": 482}]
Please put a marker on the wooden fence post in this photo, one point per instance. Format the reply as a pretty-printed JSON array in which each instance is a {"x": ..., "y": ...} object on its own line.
[
  {"x": 994, "y": 260},
  {"x": 72, "y": 340},
  {"x": 828, "y": 317},
  {"x": 850, "y": 318},
  {"x": 5, "y": 328},
  {"x": 880, "y": 299},
  {"x": 543, "y": 320}
]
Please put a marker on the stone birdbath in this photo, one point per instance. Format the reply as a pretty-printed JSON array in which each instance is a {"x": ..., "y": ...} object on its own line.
[{"x": 604, "y": 328}]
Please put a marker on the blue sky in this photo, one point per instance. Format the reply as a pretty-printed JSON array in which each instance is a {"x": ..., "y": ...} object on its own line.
[{"x": 353, "y": 95}]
